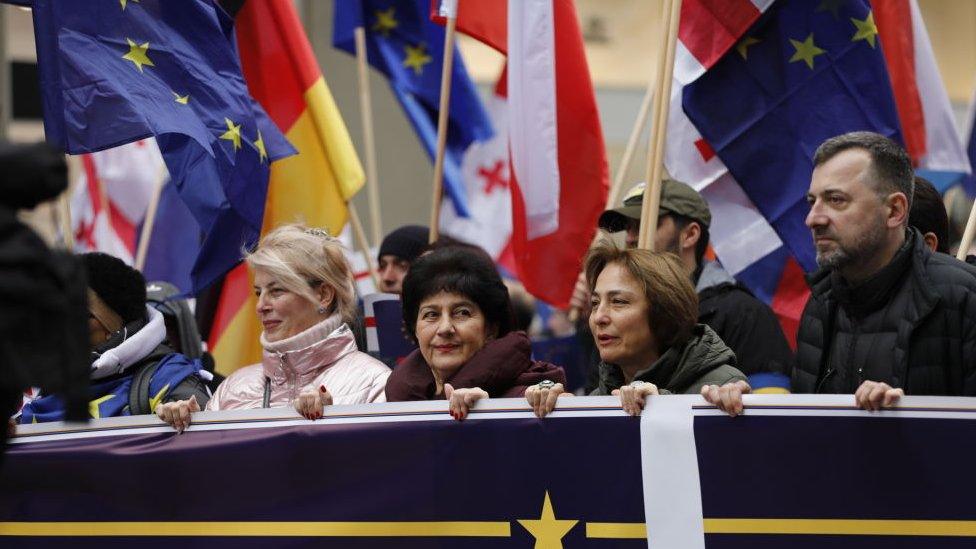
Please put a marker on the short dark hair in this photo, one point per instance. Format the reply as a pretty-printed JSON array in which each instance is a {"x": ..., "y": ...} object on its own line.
[
  {"x": 120, "y": 286},
  {"x": 673, "y": 303},
  {"x": 680, "y": 222},
  {"x": 891, "y": 165},
  {"x": 464, "y": 270},
  {"x": 928, "y": 213}
]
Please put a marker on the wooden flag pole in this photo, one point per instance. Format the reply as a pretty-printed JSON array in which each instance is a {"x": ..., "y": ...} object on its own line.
[
  {"x": 366, "y": 112},
  {"x": 360, "y": 235},
  {"x": 150, "y": 220},
  {"x": 64, "y": 203},
  {"x": 448, "y": 9},
  {"x": 662, "y": 98},
  {"x": 64, "y": 219},
  {"x": 967, "y": 235}
]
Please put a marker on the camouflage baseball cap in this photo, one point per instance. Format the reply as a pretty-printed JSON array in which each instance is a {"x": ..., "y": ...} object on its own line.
[{"x": 676, "y": 198}]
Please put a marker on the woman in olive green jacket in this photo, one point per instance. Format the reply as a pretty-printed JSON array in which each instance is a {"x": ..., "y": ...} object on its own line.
[{"x": 643, "y": 319}]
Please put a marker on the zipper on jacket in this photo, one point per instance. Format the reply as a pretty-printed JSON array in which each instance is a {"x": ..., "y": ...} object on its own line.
[
  {"x": 823, "y": 380},
  {"x": 290, "y": 376}
]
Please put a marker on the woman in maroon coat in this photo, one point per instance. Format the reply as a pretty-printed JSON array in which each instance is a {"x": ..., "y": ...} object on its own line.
[{"x": 457, "y": 309}]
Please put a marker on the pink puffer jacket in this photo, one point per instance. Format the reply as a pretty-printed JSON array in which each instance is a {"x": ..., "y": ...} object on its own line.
[{"x": 325, "y": 354}]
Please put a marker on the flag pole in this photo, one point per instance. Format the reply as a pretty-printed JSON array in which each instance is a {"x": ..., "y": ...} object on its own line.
[
  {"x": 366, "y": 112},
  {"x": 449, "y": 10},
  {"x": 662, "y": 99},
  {"x": 64, "y": 204},
  {"x": 150, "y": 220},
  {"x": 967, "y": 235},
  {"x": 360, "y": 235}
]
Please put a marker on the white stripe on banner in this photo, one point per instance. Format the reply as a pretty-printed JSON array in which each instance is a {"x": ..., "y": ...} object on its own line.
[
  {"x": 669, "y": 465},
  {"x": 532, "y": 114}
]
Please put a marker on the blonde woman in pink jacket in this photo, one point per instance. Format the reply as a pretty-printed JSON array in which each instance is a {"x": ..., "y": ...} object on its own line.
[{"x": 304, "y": 287}]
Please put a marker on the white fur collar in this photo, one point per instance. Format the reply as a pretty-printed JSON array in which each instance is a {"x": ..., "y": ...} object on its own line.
[{"x": 132, "y": 349}]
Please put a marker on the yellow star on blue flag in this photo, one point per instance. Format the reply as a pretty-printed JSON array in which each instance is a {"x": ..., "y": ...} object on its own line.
[
  {"x": 385, "y": 21},
  {"x": 806, "y": 51},
  {"x": 233, "y": 133},
  {"x": 743, "y": 46},
  {"x": 138, "y": 54},
  {"x": 259, "y": 145},
  {"x": 866, "y": 29},
  {"x": 416, "y": 57}
]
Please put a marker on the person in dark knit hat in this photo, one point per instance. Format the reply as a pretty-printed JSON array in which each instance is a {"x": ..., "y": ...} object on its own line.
[
  {"x": 132, "y": 370},
  {"x": 398, "y": 250}
]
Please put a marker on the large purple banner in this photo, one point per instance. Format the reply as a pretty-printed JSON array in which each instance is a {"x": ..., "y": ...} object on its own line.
[
  {"x": 792, "y": 471},
  {"x": 360, "y": 479}
]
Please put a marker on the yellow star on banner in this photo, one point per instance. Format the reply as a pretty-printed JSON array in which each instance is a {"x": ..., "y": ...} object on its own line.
[
  {"x": 93, "y": 406},
  {"x": 547, "y": 530},
  {"x": 123, "y": 2},
  {"x": 138, "y": 54},
  {"x": 233, "y": 133},
  {"x": 154, "y": 401},
  {"x": 417, "y": 57},
  {"x": 181, "y": 99},
  {"x": 385, "y": 21},
  {"x": 866, "y": 30},
  {"x": 806, "y": 51},
  {"x": 743, "y": 46},
  {"x": 259, "y": 144}
]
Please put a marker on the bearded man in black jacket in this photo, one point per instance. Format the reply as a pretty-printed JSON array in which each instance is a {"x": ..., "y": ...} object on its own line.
[{"x": 886, "y": 316}]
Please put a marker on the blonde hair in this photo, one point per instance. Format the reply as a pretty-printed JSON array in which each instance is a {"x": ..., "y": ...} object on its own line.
[
  {"x": 673, "y": 302},
  {"x": 300, "y": 258}
]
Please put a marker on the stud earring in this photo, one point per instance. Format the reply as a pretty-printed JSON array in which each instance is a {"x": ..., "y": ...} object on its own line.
[{"x": 321, "y": 310}]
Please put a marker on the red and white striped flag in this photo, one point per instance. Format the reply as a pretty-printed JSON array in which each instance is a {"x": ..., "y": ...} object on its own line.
[{"x": 557, "y": 162}]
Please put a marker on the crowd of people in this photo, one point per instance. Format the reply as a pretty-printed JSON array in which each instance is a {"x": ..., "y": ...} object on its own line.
[{"x": 890, "y": 313}]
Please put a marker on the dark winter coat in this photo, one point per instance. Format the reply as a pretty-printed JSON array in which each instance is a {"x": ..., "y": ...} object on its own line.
[
  {"x": 702, "y": 360},
  {"x": 921, "y": 337},
  {"x": 503, "y": 368},
  {"x": 747, "y": 325}
]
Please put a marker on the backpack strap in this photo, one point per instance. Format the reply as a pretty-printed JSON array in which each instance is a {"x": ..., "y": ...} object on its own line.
[{"x": 145, "y": 370}]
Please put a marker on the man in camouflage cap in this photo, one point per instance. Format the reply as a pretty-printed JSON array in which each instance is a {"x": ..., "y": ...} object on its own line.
[{"x": 748, "y": 326}]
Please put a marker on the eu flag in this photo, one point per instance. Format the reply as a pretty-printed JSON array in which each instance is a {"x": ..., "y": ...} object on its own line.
[
  {"x": 403, "y": 44},
  {"x": 805, "y": 72},
  {"x": 114, "y": 71}
]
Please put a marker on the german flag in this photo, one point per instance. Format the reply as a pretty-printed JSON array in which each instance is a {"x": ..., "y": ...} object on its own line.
[{"x": 312, "y": 186}]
